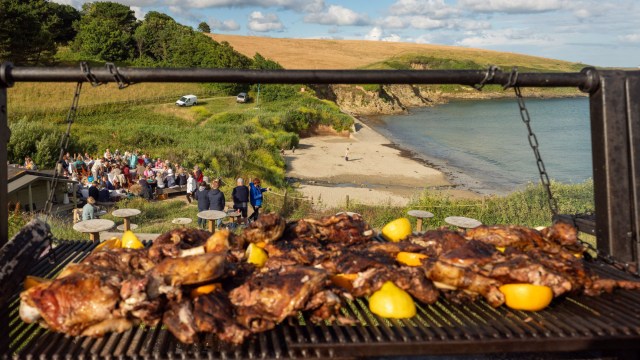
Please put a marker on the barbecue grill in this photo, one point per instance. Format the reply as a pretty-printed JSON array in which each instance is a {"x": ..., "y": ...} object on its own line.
[{"x": 610, "y": 322}]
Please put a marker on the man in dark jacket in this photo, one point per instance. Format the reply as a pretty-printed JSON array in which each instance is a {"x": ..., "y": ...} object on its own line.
[
  {"x": 94, "y": 192},
  {"x": 202, "y": 197},
  {"x": 240, "y": 195},
  {"x": 216, "y": 199},
  {"x": 145, "y": 188}
]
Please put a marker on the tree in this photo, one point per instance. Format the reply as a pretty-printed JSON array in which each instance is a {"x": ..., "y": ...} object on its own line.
[
  {"x": 105, "y": 31},
  {"x": 26, "y": 35},
  {"x": 63, "y": 30},
  {"x": 204, "y": 27}
]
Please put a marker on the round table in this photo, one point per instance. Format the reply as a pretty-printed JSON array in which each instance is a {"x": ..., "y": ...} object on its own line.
[
  {"x": 93, "y": 227},
  {"x": 211, "y": 216},
  {"x": 126, "y": 214},
  {"x": 182, "y": 221},
  {"x": 419, "y": 215},
  {"x": 462, "y": 222},
  {"x": 350, "y": 213}
]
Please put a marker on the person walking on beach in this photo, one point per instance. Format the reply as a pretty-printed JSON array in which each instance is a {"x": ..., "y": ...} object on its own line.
[
  {"x": 255, "y": 197},
  {"x": 240, "y": 195},
  {"x": 346, "y": 155}
]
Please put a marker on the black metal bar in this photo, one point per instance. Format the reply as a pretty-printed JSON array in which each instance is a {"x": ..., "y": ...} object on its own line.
[
  {"x": 4, "y": 184},
  {"x": 633, "y": 115},
  {"x": 611, "y": 168},
  {"x": 135, "y": 75}
]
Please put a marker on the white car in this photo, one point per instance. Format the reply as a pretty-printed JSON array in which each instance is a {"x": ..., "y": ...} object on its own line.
[
  {"x": 242, "y": 97},
  {"x": 187, "y": 100}
]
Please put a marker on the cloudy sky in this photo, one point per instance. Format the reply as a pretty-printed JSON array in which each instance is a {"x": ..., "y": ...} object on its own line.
[{"x": 595, "y": 32}]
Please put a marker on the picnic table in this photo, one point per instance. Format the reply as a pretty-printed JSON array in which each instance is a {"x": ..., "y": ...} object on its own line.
[
  {"x": 462, "y": 222},
  {"x": 211, "y": 216},
  {"x": 419, "y": 215},
  {"x": 93, "y": 227},
  {"x": 181, "y": 221},
  {"x": 126, "y": 214}
]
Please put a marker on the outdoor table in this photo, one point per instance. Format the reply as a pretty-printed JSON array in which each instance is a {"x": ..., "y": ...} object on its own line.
[
  {"x": 234, "y": 215},
  {"x": 182, "y": 221},
  {"x": 93, "y": 227},
  {"x": 211, "y": 216},
  {"x": 419, "y": 215},
  {"x": 348, "y": 213},
  {"x": 462, "y": 222},
  {"x": 126, "y": 214}
]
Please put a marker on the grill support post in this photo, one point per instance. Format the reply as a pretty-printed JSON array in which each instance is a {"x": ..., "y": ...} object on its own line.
[
  {"x": 4, "y": 143},
  {"x": 615, "y": 137}
]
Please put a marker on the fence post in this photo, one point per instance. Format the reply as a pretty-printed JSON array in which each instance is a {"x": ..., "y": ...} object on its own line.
[
  {"x": 347, "y": 202},
  {"x": 284, "y": 203}
]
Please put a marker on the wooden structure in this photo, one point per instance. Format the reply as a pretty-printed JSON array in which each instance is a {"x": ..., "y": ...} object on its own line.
[{"x": 31, "y": 188}]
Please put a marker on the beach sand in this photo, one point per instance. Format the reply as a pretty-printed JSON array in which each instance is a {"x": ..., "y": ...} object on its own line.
[{"x": 376, "y": 173}]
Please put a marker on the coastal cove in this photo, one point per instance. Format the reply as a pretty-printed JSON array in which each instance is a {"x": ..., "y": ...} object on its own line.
[{"x": 482, "y": 145}]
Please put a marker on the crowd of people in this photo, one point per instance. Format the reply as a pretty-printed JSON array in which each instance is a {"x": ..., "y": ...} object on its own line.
[{"x": 115, "y": 175}]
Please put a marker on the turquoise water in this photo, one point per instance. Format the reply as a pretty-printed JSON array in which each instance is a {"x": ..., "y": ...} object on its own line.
[{"x": 483, "y": 144}]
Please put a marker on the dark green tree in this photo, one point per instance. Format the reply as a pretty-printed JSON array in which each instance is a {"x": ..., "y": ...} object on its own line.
[
  {"x": 63, "y": 30},
  {"x": 105, "y": 31},
  {"x": 204, "y": 27},
  {"x": 262, "y": 63},
  {"x": 26, "y": 31}
]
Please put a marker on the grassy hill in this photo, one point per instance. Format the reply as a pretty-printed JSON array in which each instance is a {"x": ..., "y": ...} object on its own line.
[{"x": 353, "y": 54}]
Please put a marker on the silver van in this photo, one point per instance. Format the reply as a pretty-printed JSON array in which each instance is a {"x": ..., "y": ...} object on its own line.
[
  {"x": 187, "y": 100},
  {"x": 242, "y": 97}
]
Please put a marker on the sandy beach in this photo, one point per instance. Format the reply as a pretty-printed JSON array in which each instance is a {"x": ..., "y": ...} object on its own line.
[{"x": 376, "y": 172}]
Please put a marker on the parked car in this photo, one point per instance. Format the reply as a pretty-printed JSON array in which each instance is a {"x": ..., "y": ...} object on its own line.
[
  {"x": 187, "y": 100},
  {"x": 242, "y": 97}
]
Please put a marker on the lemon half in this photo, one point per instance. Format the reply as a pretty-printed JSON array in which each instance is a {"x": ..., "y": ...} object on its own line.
[
  {"x": 527, "y": 297},
  {"x": 256, "y": 255},
  {"x": 397, "y": 229},
  {"x": 392, "y": 302},
  {"x": 131, "y": 241}
]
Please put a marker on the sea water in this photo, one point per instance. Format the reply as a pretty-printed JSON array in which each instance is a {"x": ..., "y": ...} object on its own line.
[{"x": 483, "y": 144}]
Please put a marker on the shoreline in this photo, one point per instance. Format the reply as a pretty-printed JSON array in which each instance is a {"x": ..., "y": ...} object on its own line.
[{"x": 378, "y": 170}]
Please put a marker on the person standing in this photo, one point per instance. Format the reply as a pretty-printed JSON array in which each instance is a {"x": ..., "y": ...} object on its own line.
[
  {"x": 255, "y": 197},
  {"x": 197, "y": 173},
  {"x": 192, "y": 186},
  {"x": 346, "y": 155},
  {"x": 240, "y": 195},
  {"x": 216, "y": 199},
  {"x": 203, "y": 202}
]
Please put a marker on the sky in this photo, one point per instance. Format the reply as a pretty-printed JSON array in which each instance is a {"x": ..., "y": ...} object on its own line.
[{"x": 593, "y": 32}]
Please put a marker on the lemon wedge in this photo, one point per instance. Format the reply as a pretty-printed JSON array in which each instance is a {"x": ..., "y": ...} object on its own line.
[
  {"x": 392, "y": 302},
  {"x": 410, "y": 258},
  {"x": 112, "y": 243},
  {"x": 397, "y": 229},
  {"x": 204, "y": 289},
  {"x": 344, "y": 281},
  {"x": 527, "y": 297},
  {"x": 256, "y": 255},
  {"x": 131, "y": 241}
]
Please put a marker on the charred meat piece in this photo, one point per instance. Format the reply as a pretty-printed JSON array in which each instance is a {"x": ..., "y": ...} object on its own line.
[
  {"x": 171, "y": 243},
  {"x": 125, "y": 261},
  {"x": 73, "y": 303},
  {"x": 340, "y": 229},
  {"x": 522, "y": 269},
  {"x": 296, "y": 251},
  {"x": 268, "y": 228},
  {"x": 179, "y": 319},
  {"x": 500, "y": 235},
  {"x": 436, "y": 242},
  {"x": 472, "y": 253},
  {"x": 213, "y": 313},
  {"x": 324, "y": 305},
  {"x": 461, "y": 278},
  {"x": 561, "y": 233},
  {"x": 136, "y": 302},
  {"x": 267, "y": 298},
  {"x": 352, "y": 261}
]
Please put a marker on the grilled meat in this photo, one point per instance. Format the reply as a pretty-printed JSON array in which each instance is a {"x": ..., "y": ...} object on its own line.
[
  {"x": 339, "y": 229},
  {"x": 179, "y": 319},
  {"x": 268, "y": 228},
  {"x": 171, "y": 243},
  {"x": 267, "y": 298},
  {"x": 213, "y": 313}
]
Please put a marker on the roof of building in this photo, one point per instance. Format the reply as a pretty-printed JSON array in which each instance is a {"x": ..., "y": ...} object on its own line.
[{"x": 20, "y": 177}]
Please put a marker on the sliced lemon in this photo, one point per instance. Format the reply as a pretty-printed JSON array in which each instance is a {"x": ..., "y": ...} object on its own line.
[
  {"x": 256, "y": 255},
  {"x": 31, "y": 281},
  {"x": 344, "y": 281},
  {"x": 527, "y": 297},
  {"x": 392, "y": 302},
  {"x": 261, "y": 244},
  {"x": 204, "y": 289},
  {"x": 501, "y": 248},
  {"x": 131, "y": 241},
  {"x": 410, "y": 258},
  {"x": 397, "y": 229},
  {"x": 112, "y": 243}
]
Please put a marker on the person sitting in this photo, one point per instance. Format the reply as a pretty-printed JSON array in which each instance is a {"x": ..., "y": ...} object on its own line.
[
  {"x": 145, "y": 188},
  {"x": 159, "y": 163},
  {"x": 148, "y": 172},
  {"x": 103, "y": 195},
  {"x": 181, "y": 178},
  {"x": 216, "y": 199},
  {"x": 93, "y": 190},
  {"x": 107, "y": 183},
  {"x": 240, "y": 195},
  {"x": 170, "y": 179},
  {"x": 89, "y": 210},
  {"x": 159, "y": 180}
]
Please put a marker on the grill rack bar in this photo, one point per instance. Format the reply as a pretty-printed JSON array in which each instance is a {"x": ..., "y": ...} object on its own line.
[{"x": 576, "y": 323}]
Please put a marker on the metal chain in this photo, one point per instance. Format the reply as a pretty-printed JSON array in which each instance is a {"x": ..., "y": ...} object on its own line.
[
  {"x": 623, "y": 266},
  {"x": 533, "y": 142}
]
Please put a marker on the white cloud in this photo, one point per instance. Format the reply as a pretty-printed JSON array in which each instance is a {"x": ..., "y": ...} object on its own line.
[
  {"x": 431, "y": 8},
  {"x": 337, "y": 15},
  {"x": 223, "y": 25},
  {"x": 377, "y": 34},
  {"x": 630, "y": 38},
  {"x": 505, "y": 37},
  {"x": 512, "y": 6},
  {"x": 139, "y": 13},
  {"x": 260, "y": 22}
]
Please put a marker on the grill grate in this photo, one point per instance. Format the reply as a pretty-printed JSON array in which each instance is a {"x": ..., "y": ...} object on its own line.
[{"x": 575, "y": 323}]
